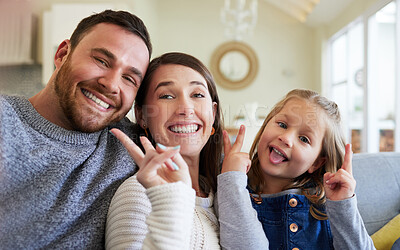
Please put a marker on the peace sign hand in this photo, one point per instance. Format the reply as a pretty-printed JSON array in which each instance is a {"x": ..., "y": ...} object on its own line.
[
  {"x": 156, "y": 166},
  {"x": 341, "y": 185},
  {"x": 235, "y": 160}
]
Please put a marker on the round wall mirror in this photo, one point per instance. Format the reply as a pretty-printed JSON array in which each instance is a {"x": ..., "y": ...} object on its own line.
[{"x": 234, "y": 65}]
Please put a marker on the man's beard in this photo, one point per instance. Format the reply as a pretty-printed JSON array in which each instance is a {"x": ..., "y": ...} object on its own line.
[{"x": 66, "y": 92}]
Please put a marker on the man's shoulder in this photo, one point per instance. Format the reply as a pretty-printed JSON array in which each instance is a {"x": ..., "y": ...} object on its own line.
[
  {"x": 5, "y": 97},
  {"x": 125, "y": 123},
  {"x": 126, "y": 126},
  {"x": 8, "y": 101},
  {"x": 10, "y": 105},
  {"x": 4, "y": 100}
]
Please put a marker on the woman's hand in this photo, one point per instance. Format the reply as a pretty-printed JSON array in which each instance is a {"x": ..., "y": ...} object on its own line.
[
  {"x": 235, "y": 160},
  {"x": 156, "y": 166},
  {"x": 341, "y": 185}
]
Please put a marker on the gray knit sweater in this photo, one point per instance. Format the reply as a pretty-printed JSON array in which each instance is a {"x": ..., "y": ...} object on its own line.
[{"x": 55, "y": 185}]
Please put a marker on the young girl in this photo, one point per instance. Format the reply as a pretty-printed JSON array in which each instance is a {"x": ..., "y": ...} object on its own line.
[{"x": 297, "y": 181}]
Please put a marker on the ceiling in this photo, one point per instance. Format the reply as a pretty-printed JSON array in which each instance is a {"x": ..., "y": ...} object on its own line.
[
  {"x": 312, "y": 12},
  {"x": 326, "y": 11}
]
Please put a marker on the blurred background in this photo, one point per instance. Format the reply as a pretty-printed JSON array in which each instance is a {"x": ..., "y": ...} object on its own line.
[{"x": 258, "y": 50}]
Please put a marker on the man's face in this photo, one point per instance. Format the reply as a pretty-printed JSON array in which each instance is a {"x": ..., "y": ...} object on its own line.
[{"x": 97, "y": 83}]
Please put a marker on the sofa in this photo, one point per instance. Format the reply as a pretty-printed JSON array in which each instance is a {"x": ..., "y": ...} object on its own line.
[{"x": 378, "y": 189}]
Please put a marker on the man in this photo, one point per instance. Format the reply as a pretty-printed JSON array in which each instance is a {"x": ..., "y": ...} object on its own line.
[{"x": 59, "y": 165}]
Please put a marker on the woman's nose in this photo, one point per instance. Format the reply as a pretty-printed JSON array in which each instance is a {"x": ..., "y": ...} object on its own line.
[{"x": 185, "y": 107}]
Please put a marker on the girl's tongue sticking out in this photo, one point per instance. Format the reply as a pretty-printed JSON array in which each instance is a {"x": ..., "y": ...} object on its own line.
[{"x": 276, "y": 157}]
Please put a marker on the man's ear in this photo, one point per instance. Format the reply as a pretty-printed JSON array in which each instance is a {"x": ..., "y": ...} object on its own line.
[
  {"x": 319, "y": 162},
  {"x": 62, "y": 53}
]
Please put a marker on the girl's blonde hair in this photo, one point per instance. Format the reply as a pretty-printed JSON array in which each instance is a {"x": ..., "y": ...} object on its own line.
[{"x": 333, "y": 148}]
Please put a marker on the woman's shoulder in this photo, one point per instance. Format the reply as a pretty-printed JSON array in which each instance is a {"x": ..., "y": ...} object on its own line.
[
  {"x": 127, "y": 214},
  {"x": 130, "y": 189}
]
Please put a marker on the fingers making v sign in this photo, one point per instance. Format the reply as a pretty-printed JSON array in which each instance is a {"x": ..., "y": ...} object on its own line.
[
  {"x": 158, "y": 165},
  {"x": 341, "y": 185},
  {"x": 234, "y": 160}
]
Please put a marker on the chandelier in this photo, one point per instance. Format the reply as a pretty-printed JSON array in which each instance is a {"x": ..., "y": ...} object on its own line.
[{"x": 239, "y": 18}]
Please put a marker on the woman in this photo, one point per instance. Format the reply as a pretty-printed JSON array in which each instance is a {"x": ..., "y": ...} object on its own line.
[{"x": 168, "y": 204}]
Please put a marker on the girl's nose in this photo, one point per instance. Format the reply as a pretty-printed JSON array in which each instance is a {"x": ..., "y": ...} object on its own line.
[{"x": 287, "y": 138}]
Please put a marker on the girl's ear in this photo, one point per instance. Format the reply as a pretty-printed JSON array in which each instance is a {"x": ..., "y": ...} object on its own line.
[
  {"x": 319, "y": 162},
  {"x": 62, "y": 53}
]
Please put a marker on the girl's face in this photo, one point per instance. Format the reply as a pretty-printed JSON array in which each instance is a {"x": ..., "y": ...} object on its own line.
[
  {"x": 178, "y": 108},
  {"x": 291, "y": 142}
]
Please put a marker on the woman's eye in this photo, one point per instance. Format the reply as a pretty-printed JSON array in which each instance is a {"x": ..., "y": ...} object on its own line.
[
  {"x": 282, "y": 125},
  {"x": 166, "y": 96},
  {"x": 198, "y": 95},
  {"x": 304, "y": 139}
]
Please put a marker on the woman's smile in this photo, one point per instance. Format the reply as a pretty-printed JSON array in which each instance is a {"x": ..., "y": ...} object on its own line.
[{"x": 184, "y": 129}]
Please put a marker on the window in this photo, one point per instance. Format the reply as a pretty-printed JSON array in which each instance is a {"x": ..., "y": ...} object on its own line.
[
  {"x": 363, "y": 80},
  {"x": 347, "y": 60}
]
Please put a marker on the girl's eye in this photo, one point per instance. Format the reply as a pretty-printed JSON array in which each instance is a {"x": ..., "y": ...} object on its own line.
[
  {"x": 282, "y": 125},
  {"x": 304, "y": 139},
  {"x": 198, "y": 95},
  {"x": 166, "y": 96}
]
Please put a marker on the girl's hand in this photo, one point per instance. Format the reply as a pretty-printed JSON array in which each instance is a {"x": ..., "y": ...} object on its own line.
[
  {"x": 235, "y": 160},
  {"x": 341, "y": 185},
  {"x": 156, "y": 167}
]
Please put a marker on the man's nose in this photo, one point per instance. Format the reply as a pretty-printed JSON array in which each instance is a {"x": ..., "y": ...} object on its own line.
[{"x": 110, "y": 81}]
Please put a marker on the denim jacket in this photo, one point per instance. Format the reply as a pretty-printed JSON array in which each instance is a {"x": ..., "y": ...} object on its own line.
[{"x": 288, "y": 224}]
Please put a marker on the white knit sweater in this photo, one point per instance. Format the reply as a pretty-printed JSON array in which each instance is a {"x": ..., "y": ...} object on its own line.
[{"x": 162, "y": 217}]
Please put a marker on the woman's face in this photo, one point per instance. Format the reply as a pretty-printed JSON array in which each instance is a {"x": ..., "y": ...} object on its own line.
[
  {"x": 292, "y": 141},
  {"x": 178, "y": 109}
]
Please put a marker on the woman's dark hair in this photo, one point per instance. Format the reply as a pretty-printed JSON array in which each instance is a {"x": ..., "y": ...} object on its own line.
[
  {"x": 123, "y": 19},
  {"x": 210, "y": 155}
]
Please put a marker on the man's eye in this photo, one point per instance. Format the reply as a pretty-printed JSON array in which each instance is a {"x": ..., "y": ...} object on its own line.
[
  {"x": 304, "y": 139},
  {"x": 101, "y": 61},
  {"x": 282, "y": 125},
  {"x": 130, "y": 79}
]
